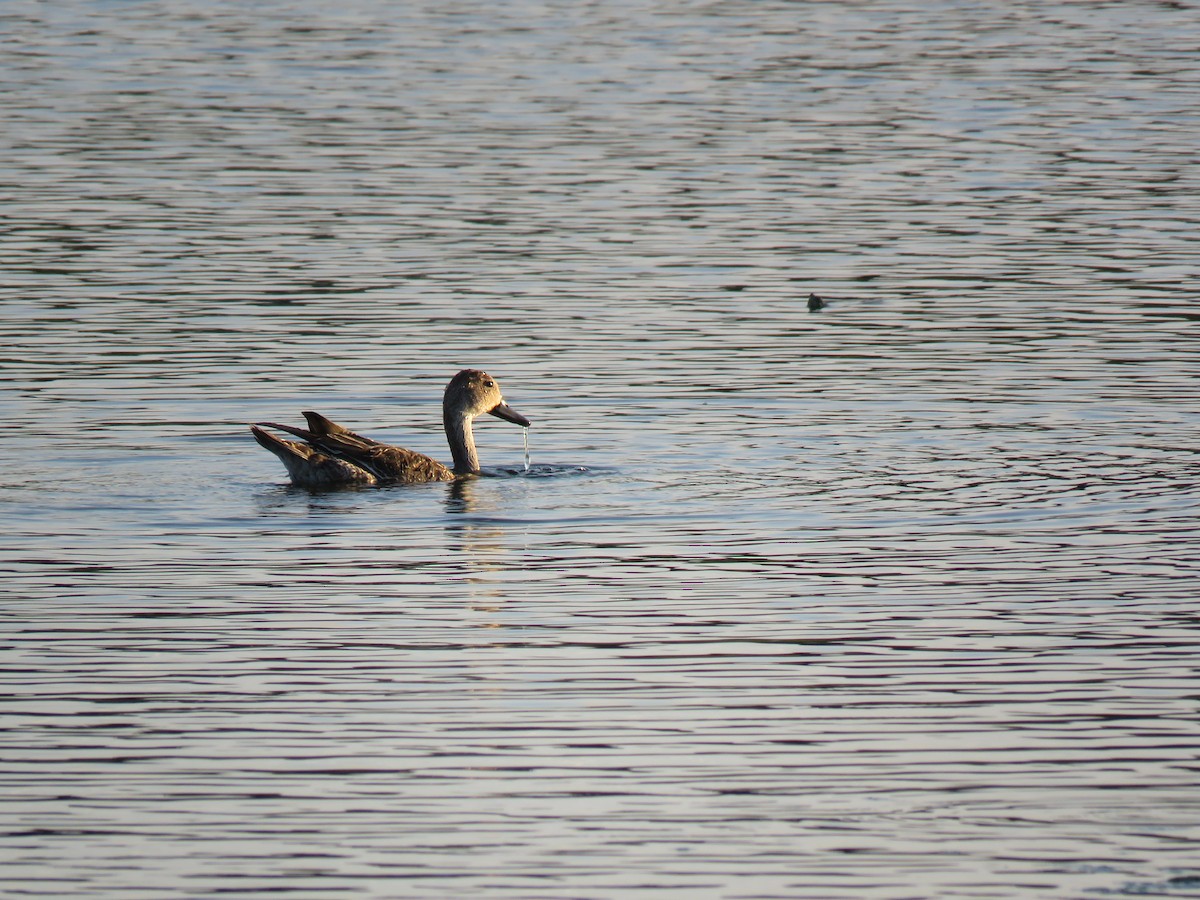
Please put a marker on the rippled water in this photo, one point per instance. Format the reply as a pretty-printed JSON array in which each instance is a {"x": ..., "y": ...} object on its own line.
[{"x": 894, "y": 599}]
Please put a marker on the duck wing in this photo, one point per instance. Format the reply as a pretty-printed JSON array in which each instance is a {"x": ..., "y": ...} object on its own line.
[{"x": 394, "y": 464}]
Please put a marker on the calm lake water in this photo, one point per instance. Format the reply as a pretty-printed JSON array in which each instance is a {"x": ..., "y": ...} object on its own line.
[{"x": 897, "y": 599}]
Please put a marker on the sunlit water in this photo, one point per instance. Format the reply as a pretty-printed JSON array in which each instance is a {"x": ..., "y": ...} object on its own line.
[{"x": 893, "y": 599}]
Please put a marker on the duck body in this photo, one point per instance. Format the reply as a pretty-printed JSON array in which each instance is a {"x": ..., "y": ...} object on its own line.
[{"x": 333, "y": 456}]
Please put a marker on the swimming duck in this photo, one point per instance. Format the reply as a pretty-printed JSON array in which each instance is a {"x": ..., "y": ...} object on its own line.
[{"x": 334, "y": 455}]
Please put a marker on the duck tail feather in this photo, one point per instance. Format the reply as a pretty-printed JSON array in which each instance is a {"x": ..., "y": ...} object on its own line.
[
  {"x": 320, "y": 425},
  {"x": 290, "y": 429}
]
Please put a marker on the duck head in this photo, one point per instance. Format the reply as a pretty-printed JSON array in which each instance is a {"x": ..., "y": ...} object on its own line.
[{"x": 472, "y": 393}]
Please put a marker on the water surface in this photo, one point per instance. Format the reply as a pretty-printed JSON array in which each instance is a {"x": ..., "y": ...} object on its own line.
[{"x": 895, "y": 599}]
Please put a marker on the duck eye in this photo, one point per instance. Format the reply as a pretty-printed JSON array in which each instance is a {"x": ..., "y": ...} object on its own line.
[{"x": 489, "y": 383}]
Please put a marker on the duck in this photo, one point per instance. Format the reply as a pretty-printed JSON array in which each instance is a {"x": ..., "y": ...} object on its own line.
[{"x": 330, "y": 455}]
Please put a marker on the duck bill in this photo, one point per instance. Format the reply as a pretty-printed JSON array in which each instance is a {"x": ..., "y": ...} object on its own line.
[{"x": 504, "y": 411}]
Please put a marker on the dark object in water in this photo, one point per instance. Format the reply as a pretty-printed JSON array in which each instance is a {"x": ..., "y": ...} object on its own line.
[{"x": 815, "y": 303}]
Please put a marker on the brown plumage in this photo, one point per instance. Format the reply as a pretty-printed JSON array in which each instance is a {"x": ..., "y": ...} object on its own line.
[
  {"x": 334, "y": 455},
  {"x": 308, "y": 466}
]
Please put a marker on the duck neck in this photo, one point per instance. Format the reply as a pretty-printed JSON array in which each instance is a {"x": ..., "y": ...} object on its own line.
[{"x": 462, "y": 443}]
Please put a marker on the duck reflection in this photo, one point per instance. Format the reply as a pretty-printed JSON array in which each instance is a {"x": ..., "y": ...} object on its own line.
[
  {"x": 461, "y": 498},
  {"x": 481, "y": 540}
]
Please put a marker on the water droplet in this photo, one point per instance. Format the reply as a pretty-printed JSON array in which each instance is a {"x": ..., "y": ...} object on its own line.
[{"x": 525, "y": 431}]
